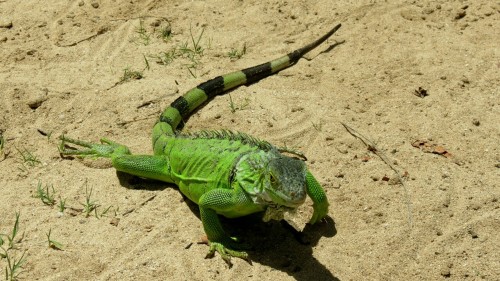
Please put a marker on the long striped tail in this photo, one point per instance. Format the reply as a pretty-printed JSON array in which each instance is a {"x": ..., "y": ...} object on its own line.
[{"x": 172, "y": 117}]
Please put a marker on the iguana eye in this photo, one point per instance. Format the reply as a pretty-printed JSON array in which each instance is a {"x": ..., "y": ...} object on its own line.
[{"x": 272, "y": 178}]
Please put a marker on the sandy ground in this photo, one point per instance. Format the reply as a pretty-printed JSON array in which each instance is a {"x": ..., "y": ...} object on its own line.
[{"x": 420, "y": 79}]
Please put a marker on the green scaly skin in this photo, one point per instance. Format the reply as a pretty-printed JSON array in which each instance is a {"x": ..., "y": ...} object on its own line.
[{"x": 225, "y": 173}]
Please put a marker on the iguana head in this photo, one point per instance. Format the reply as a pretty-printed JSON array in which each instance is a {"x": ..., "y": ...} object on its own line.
[
  {"x": 272, "y": 179},
  {"x": 285, "y": 182}
]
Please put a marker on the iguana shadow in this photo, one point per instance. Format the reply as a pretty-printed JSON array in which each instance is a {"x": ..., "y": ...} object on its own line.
[
  {"x": 275, "y": 243},
  {"x": 280, "y": 246}
]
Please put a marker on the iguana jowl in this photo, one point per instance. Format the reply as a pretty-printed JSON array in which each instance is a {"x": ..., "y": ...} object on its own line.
[{"x": 225, "y": 173}]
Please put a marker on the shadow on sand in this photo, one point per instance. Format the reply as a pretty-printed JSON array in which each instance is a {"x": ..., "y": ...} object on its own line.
[{"x": 275, "y": 243}]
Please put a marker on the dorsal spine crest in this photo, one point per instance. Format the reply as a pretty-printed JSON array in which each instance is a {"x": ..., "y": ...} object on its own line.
[{"x": 229, "y": 135}]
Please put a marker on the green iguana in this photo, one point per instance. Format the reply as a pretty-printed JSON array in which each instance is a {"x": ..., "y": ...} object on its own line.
[{"x": 226, "y": 173}]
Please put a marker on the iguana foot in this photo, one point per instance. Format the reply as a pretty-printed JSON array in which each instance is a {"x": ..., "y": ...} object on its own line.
[
  {"x": 106, "y": 148},
  {"x": 226, "y": 253},
  {"x": 319, "y": 214}
]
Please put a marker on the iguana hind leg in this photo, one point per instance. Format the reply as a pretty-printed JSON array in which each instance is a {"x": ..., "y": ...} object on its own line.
[{"x": 146, "y": 166}]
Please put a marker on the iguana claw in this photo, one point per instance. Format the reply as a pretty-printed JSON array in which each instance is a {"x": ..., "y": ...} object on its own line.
[
  {"x": 319, "y": 214},
  {"x": 225, "y": 253},
  {"x": 231, "y": 247}
]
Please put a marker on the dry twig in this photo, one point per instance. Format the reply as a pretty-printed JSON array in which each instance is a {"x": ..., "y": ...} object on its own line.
[{"x": 372, "y": 147}]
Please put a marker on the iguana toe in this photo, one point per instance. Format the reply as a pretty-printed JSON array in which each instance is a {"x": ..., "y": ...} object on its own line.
[{"x": 226, "y": 253}]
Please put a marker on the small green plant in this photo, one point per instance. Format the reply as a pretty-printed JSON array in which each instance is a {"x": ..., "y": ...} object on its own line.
[
  {"x": 165, "y": 33},
  {"x": 129, "y": 74},
  {"x": 165, "y": 58},
  {"x": 12, "y": 237},
  {"x": 116, "y": 211},
  {"x": 318, "y": 126},
  {"x": 146, "y": 62},
  {"x": 192, "y": 68},
  {"x": 62, "y": 205},
  {"x": 197, "y": 49},
  {"x": 46, "y": 194},
  {"x": 2, "y": 142},
  {"x": 193, "y": 53},
  {"x": 103, "y": 213},
  {"x": 12, "y": 269},
  {"x": 44, "y": 133},
  {"x": 90, "y": 205},
  {"x": 235, "y": 107},
  {"x": 52, "y": 243},
  {"x": 236, "y": 54},
  {"x": 28, "y": 157},
  {"x": 191, "y": 50},
  {"x": 144, "y": 37}
]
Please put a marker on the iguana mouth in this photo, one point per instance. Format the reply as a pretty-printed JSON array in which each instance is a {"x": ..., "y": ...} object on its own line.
[
  {"x": 274, "y": 197},
  {"x": 276, "y": 212},
  {"x": 276, "y": 200},
  {"x": 280, "y": 207}
]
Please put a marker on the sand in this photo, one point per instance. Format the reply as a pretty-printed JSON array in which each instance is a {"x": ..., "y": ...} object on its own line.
[{"x": 419, "y": 80}]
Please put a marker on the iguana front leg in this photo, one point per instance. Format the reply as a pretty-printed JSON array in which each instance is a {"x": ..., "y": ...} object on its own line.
[
  {"x": 318, "y": 196},
  {"x": 147, "y": 166},
  {"x": 106, "y": 148},
  {"x": 222, "y": 200}
]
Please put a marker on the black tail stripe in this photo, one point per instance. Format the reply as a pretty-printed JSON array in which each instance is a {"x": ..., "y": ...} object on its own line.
[
  {"x": 181, "y": 105},
  {"x": 295, "y": 56},
  {"x": 258, "y": 72},
  {"x": 212, "y": 87}
]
